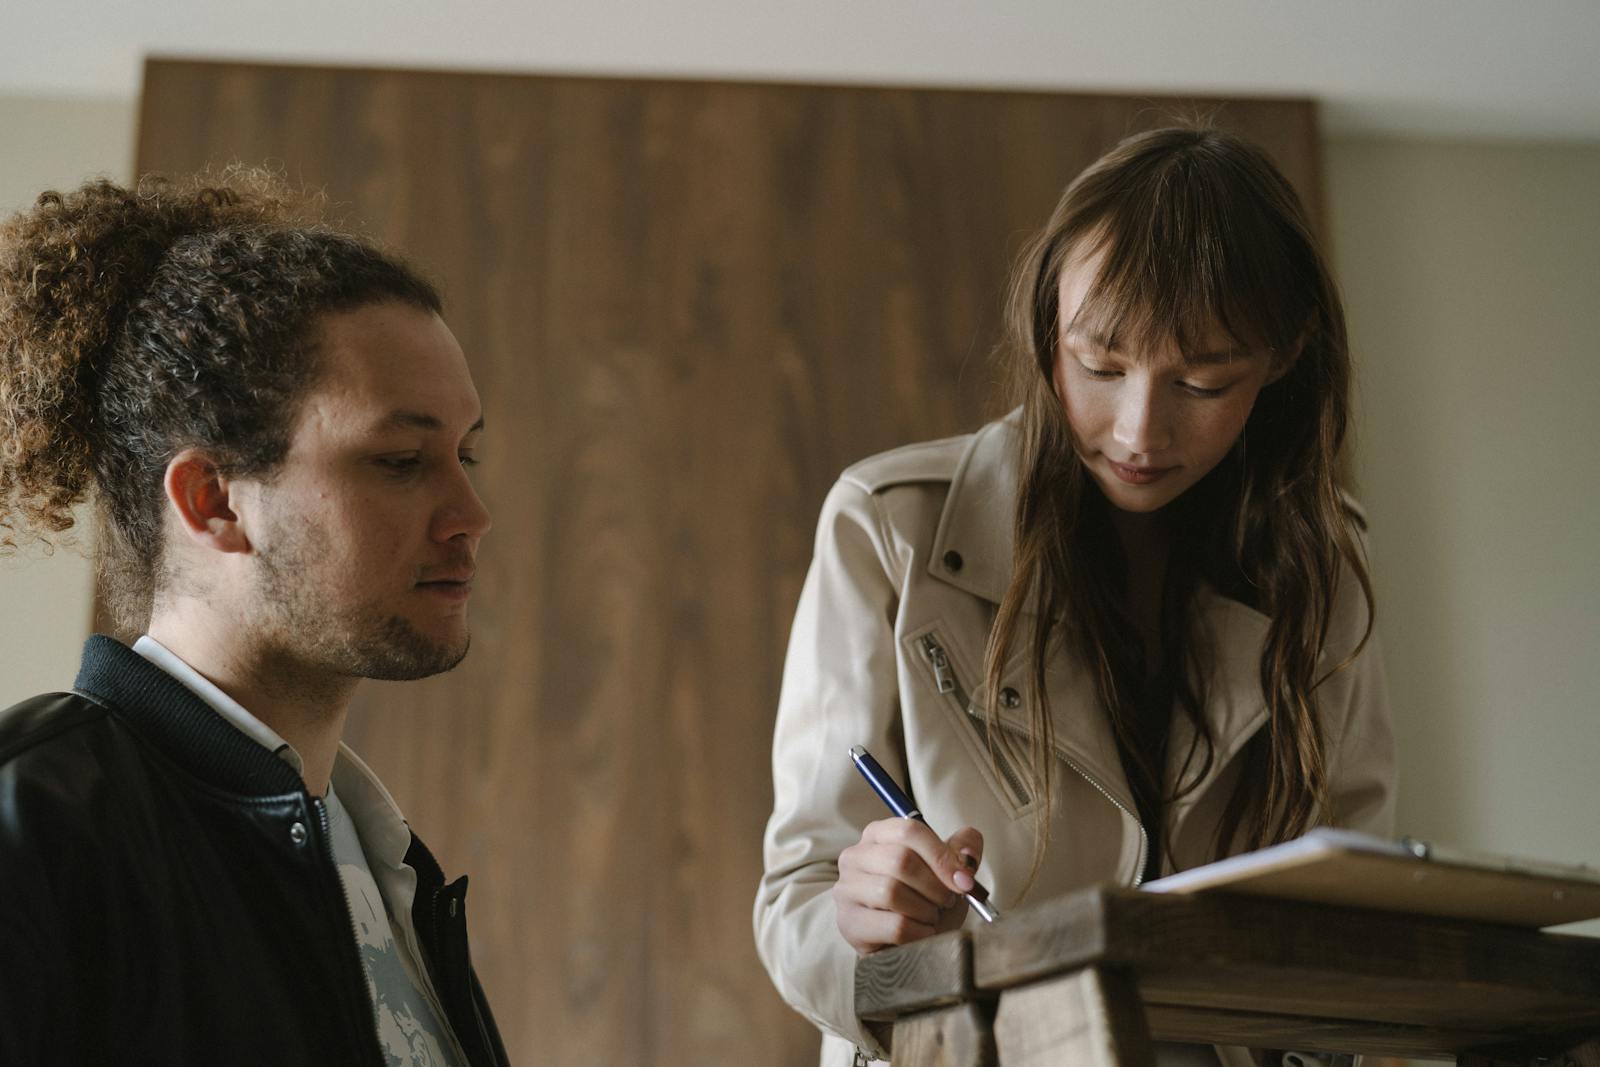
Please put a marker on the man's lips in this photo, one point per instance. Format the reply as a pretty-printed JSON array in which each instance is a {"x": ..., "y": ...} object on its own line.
[
  {"x": 1136, "y": 475},
  {"x": 455, "y": 577},
  {"x": 454, "y": 583}
]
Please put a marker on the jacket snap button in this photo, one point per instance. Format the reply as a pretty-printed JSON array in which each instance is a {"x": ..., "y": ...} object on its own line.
[
  {"x": 297, "y": 834},
  {"x": 1010, "y": 698},
  {"x": 952, "y": 560},
  {"x": 452, "y": 907}
]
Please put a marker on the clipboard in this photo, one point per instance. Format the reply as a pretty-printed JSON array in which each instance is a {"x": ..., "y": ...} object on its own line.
[{"x": 1342, "y": 867}]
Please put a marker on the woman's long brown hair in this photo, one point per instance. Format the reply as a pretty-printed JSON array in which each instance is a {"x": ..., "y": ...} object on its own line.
[{"x": 1198, "y": 230}]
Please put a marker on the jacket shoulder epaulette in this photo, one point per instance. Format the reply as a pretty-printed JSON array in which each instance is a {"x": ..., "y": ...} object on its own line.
[{"x": 926, "y": 461}]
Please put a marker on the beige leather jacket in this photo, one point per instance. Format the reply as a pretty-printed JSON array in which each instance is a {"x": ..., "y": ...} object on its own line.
[{"x": 913, "y": 553}]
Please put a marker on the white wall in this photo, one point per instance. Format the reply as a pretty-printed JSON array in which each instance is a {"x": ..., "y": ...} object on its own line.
[
  {"x": 1466, "y": 68},
  {"x": 1472, "y": 279},
  {"x": 45, "y": 598}
]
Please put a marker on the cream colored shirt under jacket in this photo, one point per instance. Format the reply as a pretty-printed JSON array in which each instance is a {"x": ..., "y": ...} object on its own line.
[{"x": 370, "y": 839}]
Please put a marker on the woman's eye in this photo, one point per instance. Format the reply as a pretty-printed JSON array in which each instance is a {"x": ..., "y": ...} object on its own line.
[
  {"x": 1202, "y": 391},
  {"x": 1100, "y": 374}
]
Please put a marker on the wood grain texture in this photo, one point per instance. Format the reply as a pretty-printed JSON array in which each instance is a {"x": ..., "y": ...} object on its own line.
[
  {"x": 907, "y": 978},
  {"x": 1091, "y": 1017},
  {"x": 687, "y": 306},
  {"x": 1582, "y": 1054},
  {"x": 1246, "y": 953},
  {"x": 1254, "y": 1029},
  {"x": 962, "y": 1036}
]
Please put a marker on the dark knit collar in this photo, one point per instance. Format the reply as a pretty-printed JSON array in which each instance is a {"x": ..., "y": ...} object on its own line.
[{"x": 169, "y": 715}]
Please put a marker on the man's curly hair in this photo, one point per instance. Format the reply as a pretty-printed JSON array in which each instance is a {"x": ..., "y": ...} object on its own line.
[{"x": 136, "y": 323}]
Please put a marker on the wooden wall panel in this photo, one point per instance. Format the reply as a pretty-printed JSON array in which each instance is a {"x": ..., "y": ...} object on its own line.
[{"x": 687, "y": 305}]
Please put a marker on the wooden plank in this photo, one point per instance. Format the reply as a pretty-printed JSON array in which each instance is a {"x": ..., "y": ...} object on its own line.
[
  {"x": 1299, "y": 959},
  {"x": 962, "y": 1036},
  {"x": 1050, "y": 937},
  {"x": 1581, "y": 1054},
  {"x": 1413, "y": 1001},
  {"x": 908, "y": 978},
  {"x": 1091, "y": 1017},
  {"x": 1254, "y": 1029}
]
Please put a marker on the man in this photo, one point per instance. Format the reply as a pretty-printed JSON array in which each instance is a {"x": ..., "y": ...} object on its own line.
[{"x": 274, "y": 426}]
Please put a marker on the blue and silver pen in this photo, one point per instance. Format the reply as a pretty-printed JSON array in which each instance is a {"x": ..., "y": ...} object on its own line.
[{"x": 891, "y": 794}]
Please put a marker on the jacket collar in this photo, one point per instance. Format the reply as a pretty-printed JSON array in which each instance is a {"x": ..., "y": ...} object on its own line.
[
  {"x": 978, "y": 511},
  {"x": 976, "y": 525},
  {"x": 175, "y": 719}
]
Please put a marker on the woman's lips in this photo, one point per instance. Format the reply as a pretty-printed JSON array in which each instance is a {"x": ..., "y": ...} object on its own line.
[{"x": 1138, "y": 475}]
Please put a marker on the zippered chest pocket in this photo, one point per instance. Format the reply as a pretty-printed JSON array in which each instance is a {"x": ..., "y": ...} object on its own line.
[{"x": 998, "y": 764}]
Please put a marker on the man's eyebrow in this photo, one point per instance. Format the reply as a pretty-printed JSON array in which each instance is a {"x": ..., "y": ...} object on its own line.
[{"x": 405, "y": 419}]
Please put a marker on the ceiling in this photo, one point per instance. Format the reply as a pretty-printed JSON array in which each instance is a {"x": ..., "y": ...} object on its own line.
[{"x": 1455, "y": 69}]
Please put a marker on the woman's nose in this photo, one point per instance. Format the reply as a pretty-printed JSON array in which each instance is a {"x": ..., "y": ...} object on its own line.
[{"x": 1143, "y": 426}]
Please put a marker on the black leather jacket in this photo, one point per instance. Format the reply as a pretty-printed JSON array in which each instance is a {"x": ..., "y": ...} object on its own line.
[{"x": 168, "y": 892}]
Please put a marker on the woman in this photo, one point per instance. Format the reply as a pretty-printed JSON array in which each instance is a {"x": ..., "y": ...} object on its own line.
[{"x": 1126, "y": 630}]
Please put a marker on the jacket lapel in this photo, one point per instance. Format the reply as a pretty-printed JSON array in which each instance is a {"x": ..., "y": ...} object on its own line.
[
  {"x": 978, "y": 512},
  {"x": 1235, "y": 708},
  {"x": 976, "y": 525}
]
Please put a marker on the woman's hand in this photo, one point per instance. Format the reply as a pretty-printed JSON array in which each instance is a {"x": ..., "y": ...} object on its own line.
[{"x": 900, "y": 883}]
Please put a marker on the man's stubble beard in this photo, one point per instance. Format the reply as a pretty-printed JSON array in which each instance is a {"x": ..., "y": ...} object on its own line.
[{"x": 357, "y": 642}]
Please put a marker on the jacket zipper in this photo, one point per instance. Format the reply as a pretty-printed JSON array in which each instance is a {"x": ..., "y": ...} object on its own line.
[
  {"x": 944, "y": 676},
  {"x": 353, "y": 939},
  {"x": 945, "y": 680},
  {"x": 1144, "y": 836}
]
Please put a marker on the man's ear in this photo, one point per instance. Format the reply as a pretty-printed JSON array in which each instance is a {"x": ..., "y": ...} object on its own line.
[{"x": 201, "y": 497}]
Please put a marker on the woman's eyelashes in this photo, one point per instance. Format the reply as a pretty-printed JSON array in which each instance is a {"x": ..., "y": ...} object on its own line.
[{"x": 1196, "y": 389}]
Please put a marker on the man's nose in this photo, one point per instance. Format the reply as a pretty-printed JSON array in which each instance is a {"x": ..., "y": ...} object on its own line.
[
  {"x": 464, "y": 515},
  {"x": 1144, "y": 421}
]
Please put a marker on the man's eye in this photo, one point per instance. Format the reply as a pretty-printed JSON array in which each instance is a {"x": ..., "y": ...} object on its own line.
[
  {"x": 399, "y": 464},
  {"x": 468, "y": 461}
]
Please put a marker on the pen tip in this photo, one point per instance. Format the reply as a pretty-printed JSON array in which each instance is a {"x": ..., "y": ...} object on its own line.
[{"x": 857, "y": 751}]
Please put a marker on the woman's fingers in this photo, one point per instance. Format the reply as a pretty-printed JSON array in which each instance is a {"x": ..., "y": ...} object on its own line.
[
  {"x": 967, "y": 844},
  {"x": 952, "y": 918},
  {"x": 900, "y": 883},
  {"x": 945, "y": 862},
  {"x": 867, "y": 929},
  {"x": 895, "y": 863},
  {"x": 894, "y": 878}
]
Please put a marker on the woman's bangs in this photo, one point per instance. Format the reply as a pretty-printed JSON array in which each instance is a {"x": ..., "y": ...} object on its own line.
[{"x": 1171, "y": 271}]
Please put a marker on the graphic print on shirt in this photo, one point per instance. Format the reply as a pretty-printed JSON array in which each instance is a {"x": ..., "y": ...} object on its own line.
[{"x": 410, "y": 1032}]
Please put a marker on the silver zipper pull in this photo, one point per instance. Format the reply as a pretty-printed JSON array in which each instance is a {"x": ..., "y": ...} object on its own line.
[{"x": 943, "y": 676}]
